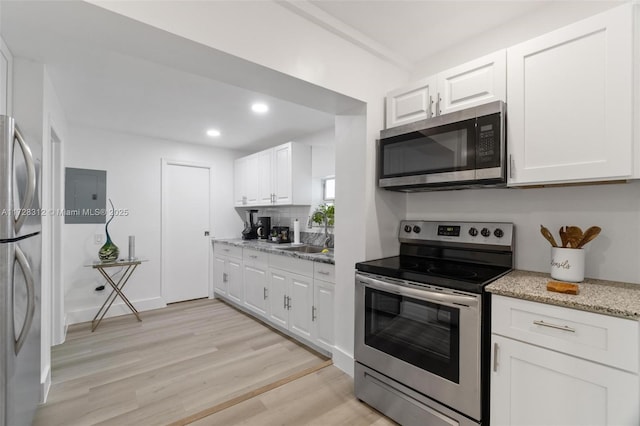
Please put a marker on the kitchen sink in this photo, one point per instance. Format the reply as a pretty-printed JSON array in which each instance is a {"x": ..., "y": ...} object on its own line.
[{"x": 302, "y": 249}]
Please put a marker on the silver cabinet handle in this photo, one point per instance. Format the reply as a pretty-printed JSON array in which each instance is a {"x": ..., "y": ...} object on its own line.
[
  {"x": 285, "y": 301},
  {"x": 288, "y": 303},
  {"x": 511, "y": 166},
  {"x": 224, "y": 277},
  {"x": 430, "y": 107},
  {"x": 495, "y": 356},
  {"x": 31, "y": 180},
  {"x": 557, "y": 327},
  {"x": 323, "y": 273},
  {"x": 31, "y": 303},
  {"x": 438, "y": 112},
  {"x": 313, "y": 313},
  {"x": 265, "y": 293}
]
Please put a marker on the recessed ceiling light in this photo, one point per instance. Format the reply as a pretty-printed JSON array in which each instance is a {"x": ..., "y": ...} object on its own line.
[
  {"x": 260, "y": 108},
  {"x": 213, "y": 133}
]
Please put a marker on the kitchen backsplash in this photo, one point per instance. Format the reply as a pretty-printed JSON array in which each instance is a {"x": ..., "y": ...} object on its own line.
[{"x": 286, "y": 216}]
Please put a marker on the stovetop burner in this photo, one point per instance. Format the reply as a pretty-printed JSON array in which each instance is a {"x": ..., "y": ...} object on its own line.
[{"x": 451, "y": 255}]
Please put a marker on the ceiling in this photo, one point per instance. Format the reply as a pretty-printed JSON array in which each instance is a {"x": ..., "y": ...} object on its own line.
[{"x": 113, "y": 73}]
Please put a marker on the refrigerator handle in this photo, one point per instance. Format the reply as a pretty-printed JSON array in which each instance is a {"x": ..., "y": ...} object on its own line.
[
  {"x": 31, "y": 303},
  {"x": 31, "y": 180}
]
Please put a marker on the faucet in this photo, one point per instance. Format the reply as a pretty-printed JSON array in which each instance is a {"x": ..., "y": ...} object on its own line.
[{"x": 327, "y": 237}]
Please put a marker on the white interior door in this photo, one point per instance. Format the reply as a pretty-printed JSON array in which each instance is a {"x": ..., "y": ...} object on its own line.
[{"x": 185, "y": 226}]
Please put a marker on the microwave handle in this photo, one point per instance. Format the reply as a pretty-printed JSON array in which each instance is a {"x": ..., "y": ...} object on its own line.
[{"x": 426, "y": 295}]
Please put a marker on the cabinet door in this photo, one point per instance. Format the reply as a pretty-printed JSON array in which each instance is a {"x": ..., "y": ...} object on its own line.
[
  {"x": 474, "y": 83},
  {"x": 219, "y": 275},
  {"x": 411, "y": 103},
  {"x": 323, "y": 293},
  {"x": 265, "y": 177},
  {"x": 234, "y": 280},
  {"x": 570, "y": 102},
  {"x": 255, "y": 289},
  {"x": 282, "y": 169},
  {"x": 278, "y": 285},
  {"x": 301, "y": 294},
  {"x": 240, "y": 182},
  {"x": 535, "y": 386},
  {"x": 252, "y": 179}
]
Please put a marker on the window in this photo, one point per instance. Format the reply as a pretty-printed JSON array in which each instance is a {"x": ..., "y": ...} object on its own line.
[{"x": 329, "y": 188}]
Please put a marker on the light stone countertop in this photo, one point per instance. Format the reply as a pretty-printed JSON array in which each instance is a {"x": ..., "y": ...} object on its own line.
[
  {"x": 603, "y": 297},
  {"x": 274, "y": 248}
]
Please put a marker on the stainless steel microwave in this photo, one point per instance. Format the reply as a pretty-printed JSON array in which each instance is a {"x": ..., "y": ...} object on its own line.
[{"x": 462, "y": 149}]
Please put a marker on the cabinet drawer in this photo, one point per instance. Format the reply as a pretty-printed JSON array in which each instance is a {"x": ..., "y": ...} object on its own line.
[
  {"x": 324, "y": 272},
  {"x": 291, "y": 264},
  {"x": 255, "y": 257},
  {"x": 601, "y": 338},
  {"x": 227, "y": 250}
]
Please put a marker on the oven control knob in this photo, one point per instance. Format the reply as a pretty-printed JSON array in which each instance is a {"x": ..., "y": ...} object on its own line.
[
  {"x": 498, "y": 233},
  {"x": 485, "y": 232},
  {"x": 407, "y": 228},
  {"x": 416, "y": 229},
  {"x": 473, "y": 232}
]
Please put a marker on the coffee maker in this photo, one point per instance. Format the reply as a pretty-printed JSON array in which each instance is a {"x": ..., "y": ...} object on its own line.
[
  {"x": 250, "y": 230},
  {"x": 263, "y": 227}
]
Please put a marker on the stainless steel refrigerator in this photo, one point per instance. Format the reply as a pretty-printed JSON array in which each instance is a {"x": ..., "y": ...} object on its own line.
[{"x": 20, "y": 256}]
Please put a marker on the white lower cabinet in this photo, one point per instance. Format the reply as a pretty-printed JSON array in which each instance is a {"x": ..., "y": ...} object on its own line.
[
  {"x": 537, "y": 379},
  {"x": 290, "y": 302},
  {"x": 255, "y": 279},
  {"x": 295, "y": 295},
  {"x": 227, "y": 272},
  {"x": 322, "y": 314}
]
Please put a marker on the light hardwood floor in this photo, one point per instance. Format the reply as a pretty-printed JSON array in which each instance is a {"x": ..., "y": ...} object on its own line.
[{"x": 181, "y": 361}]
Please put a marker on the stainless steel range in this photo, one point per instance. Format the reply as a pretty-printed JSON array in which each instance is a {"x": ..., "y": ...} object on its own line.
[{"x": 422, "y": 322}]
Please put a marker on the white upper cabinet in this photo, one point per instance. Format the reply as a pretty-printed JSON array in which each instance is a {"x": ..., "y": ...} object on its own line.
[
  {"x": 275, "y": 176},
  {"x": 411, "y": 103},
  {"x": 474, "y": 83},
  {"x": 570, "y": 102}
]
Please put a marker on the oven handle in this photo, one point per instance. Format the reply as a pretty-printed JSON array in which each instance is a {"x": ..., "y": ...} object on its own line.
[{"x": 426, "y": 295}]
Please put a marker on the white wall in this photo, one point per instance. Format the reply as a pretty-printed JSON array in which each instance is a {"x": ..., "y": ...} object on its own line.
[
  {"x": 615, "y": 208},
  {"x": 36, "y": 109},
  {"x": 133, "y": 166},
  {"x": 547, "y": 17}
]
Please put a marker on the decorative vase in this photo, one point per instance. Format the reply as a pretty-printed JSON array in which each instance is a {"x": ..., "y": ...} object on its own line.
[{"x": 109, "y": 252}]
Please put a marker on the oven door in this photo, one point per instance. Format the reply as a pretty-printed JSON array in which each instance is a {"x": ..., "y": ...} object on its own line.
[{"x": 428, "y": 340}]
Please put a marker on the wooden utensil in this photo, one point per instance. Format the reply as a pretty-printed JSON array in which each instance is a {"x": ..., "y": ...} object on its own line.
[
  {"x": 563, "y": 236},
  {"x": 589, "y": 235},
  {"x": 574, "y": 235},
  {"x": 547, "y": 235}
]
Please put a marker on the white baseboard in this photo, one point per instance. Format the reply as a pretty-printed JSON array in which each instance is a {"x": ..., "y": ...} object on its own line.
[
  {"x": 343, "y": 360},
  {"x": 45, "y": 385},
  {"x": 117, "y": 309}
]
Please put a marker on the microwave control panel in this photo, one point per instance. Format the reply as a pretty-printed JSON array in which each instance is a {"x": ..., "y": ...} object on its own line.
[{"x": 488, "y": 143}]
